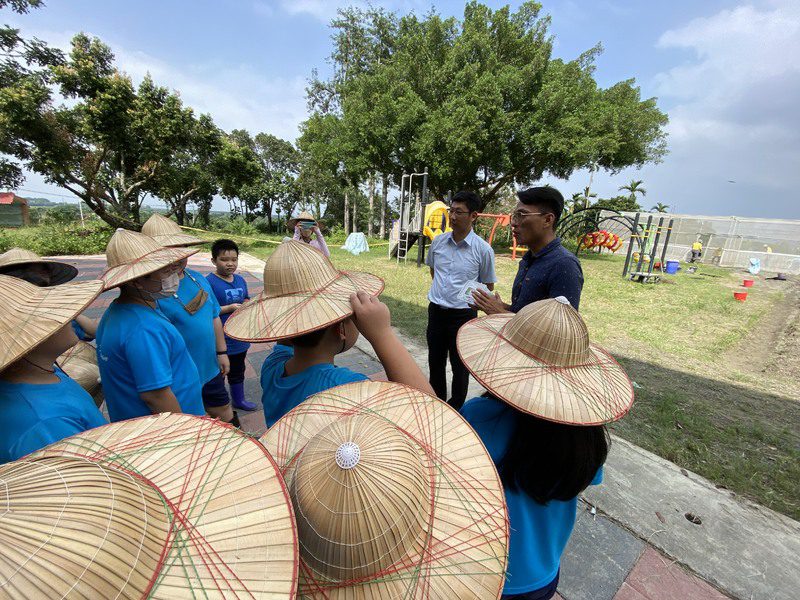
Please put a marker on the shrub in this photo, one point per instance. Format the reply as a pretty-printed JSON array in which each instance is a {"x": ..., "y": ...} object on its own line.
[{"x": 58, "y": 239}]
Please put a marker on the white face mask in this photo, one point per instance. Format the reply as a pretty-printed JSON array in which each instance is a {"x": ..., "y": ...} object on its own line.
[{"x": 169, "y": 286}]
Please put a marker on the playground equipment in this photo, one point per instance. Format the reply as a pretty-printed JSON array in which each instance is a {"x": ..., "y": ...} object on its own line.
[
  {"x": 409, "y": 227},
  {"x": 643, "y": 240},
  {"x": 602, "y": 239},
  {"x": 437, "y": 220}
]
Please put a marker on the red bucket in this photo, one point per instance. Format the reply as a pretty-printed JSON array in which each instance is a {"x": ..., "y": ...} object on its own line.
[
  {"x": 747, "y": 283},
  {"x": 740, "y": 296}
]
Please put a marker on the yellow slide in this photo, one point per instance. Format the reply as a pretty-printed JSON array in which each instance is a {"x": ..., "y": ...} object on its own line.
[{"x": 437, "y": 220}]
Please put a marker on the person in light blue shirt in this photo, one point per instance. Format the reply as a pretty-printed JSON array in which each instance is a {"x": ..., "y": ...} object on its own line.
[
  {"x": 39, "y": 403},
  {"x": 144, "y": 363},
  {"x": 282, "y": 392},
  {"x": 455, "y": 258},
  {"x": 542, "y": 420}
]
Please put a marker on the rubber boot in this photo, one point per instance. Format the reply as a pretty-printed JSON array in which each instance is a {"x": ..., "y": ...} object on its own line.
[{"x": 237, "y": 393}]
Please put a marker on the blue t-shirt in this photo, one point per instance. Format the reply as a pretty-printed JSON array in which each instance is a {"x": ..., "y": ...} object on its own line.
[
  {"x": 197, "y": 330},
  {"x": 34, "y": 415},
  {"x": 139, "y": 350},
  {"x": 281, "y": 394},
  {"x": 80, "y": 332},
  {"x": 539, "y": 532},
  {"x": 230, "y": 292}
]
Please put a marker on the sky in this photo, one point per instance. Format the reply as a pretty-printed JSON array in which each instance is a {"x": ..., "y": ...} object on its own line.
[{"x": 725, "y": 71}]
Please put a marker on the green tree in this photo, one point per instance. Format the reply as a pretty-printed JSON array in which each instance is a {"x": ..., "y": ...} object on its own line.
[
  {"x": 634, "y": 188},
  {"x": 109, "y": 144},
  {"x": 620, "y": 203},
  {"x": 660, "y": 207}
]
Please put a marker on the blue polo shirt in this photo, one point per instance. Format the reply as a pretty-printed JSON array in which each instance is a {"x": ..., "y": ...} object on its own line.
[
  {"x": 280, "y": 394},
  {"x": 553, "y": 271},
  {"x": 539, "y": 532},
  {"x": 197, "y": 330},
  {"x": 34, "y": 415},
  {"x": 230, "y": 292},
  {"x": 454, "y": 264},
  {"x": 139, "y": 350}
]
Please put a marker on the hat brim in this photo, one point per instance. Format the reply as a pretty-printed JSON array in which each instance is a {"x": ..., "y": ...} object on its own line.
[
  {"x": 464, "y": 553},
  {"x": 175, "y": 240},
  {"x": 80, "y": 363},
  {"x": 234, "y": 526},
  {"x": 292, "y": 223},
  {"x": 60, "y": 272},
  {"x": 33, "y": 319},
  {"x": 593, "y": 393},
  {"x": 149, "y": 263},
  {"x": 267, "y": 319}
]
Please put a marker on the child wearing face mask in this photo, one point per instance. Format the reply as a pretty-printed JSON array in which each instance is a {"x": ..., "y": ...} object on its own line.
[{"x": 144, "y": 363}]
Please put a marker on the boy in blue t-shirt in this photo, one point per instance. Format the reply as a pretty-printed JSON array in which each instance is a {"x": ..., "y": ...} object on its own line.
[
  {"x": 39, "y": 403},
  {"x": 318, "y": 312},
  {"x": 231, "y": 292}
]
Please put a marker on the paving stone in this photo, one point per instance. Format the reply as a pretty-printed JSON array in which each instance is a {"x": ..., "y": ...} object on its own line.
[
  {"x": 656, "y": 577},
  {"x": 598, "y": 558},
  {"x": 626, "y": 592}
]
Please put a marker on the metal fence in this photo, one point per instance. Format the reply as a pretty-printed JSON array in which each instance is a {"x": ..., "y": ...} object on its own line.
[{"x": 732, "y": 241}]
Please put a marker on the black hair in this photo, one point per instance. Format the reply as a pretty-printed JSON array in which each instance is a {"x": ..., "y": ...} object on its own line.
[
  {"x": 309, "y": 340},
  {"x": 552, "y": 461},
  {"x": 545, "y": 197},
  {"x": 471, "y": 199},
  {"x": 223, "y": 245}
]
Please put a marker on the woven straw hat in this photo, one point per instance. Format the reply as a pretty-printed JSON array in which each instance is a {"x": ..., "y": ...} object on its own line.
[
  {"x": 72, "y": 528},
  {"x": 168, "y": 233},
  {"x": 541, "y": 362},
  {"x": 31, "y": 314},
  {"x": 60, "y": 272},
  {"x": 395, "y": 496},
  {"x": 234, "y": 533},
  {"x": 131, "y": 255},
  {"x": 303, "y": 216},
  {"x": 303, "y": 292},
  {"x": 80, "y": 363}
]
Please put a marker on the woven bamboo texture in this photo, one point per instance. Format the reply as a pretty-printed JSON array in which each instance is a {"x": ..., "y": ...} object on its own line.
[
  {"x": 421, "y": 513},
  {"x": 303, "y": 292},
  {"x": 234, "y": 531},
  {"x": 541, "y": 362},
  {"x": 131, "y": 255},
  {"x": 80, "y": 363},
  {"x": 60, "y": 272},
  {"x": 303, "y": 216},
  {"x": 168, "y": 233},
  {"x": 71, "y": 528},
  {"x": 31, "y": 314}
]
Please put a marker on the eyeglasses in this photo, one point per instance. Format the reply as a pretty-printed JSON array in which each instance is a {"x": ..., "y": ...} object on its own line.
[
  {"x": 455, "y": 211},
  {"x": 518, "y": 215}
]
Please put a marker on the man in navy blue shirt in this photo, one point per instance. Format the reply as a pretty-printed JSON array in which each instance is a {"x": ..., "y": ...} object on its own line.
[{"x": 547, "y": 270}]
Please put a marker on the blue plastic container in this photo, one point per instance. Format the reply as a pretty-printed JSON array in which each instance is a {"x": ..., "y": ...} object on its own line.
[{"x": 672, "y": 267}]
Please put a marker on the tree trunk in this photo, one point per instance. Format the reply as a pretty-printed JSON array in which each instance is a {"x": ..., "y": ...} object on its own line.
[
  {"x": 355, "y": 214},
  {"x": 371, "y": 204},
  {"x": 346, "y": 215},
  {"x": 317, "y": 208},
  {"x": 384, "y": 202}
]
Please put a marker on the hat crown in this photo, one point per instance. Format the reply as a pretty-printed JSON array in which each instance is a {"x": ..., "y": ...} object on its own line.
[
  {"x": 160, "y": 225},
  {"x": 552, "y": 331},
  {"x": 14, "y": 255},
  {"x": 361, "y": 493},
  {"x": 296, "y": 267},
  {"x": 126, "y": 247}
]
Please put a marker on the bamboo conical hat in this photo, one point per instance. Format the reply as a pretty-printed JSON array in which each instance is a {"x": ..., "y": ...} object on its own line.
[
  {"x": 72, "y": 528},
  {"x": 131, "y": 255},
  {"x": 234, "y": 528},
  {"x": 303, "y": 292},
  {"x": 303, "y": 216},
  {"x": 168, "y": 233},
  {"x": 541, "y": 362},
  {"x": 395, "y": 496},
  {"x": 31, "y": 314},
  {"x": 15, "y": 258},
  {"x": 80, "y": 363}
]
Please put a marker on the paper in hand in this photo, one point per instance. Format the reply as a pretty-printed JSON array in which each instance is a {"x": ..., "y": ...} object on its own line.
[{"x": 465, "y": 295}]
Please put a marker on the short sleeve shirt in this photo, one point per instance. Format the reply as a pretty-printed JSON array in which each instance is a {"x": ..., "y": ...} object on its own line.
[
  {"x": 539, "y": 532},
  {"x": 197, "y": 330},
  {"x": 552, "y": 272},
  {"x": 454, "y": 264},
  {"x": 230, "y": 292},
  {"x": 33, "y": 416},
  {"x": 280, "y": 394},
  {"x": 139, "y": 350}
]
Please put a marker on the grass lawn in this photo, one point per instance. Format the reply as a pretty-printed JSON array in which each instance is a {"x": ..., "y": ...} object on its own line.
[{"x": 687, "y": 345}]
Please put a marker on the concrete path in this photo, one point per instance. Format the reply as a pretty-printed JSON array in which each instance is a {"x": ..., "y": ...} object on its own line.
[{"x": 637, "y": 543}]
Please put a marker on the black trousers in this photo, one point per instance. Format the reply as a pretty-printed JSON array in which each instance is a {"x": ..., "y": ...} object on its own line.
[
  {"x": 443, "y": 326},
  {"x": 236, "y": 374}
]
